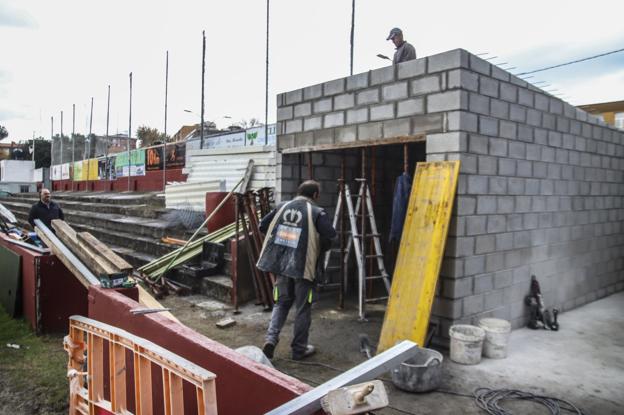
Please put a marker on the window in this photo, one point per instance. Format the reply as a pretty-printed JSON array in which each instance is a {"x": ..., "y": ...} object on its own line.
[{"x": 619, "y": 120}]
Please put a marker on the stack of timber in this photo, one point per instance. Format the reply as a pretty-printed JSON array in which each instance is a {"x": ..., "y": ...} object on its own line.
[{"x": 91, "y": 261}]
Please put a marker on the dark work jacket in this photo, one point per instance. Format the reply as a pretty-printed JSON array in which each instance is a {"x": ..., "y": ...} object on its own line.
[
  {"x": 292, "y": 244},
  {"x": 402, "y": 190},
  {"x": 45, "y": 213}
]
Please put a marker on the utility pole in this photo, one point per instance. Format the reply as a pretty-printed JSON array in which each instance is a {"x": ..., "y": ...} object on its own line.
[
  {"x": 33, "y": 150},
  {"x": 266, "y": 81},
  {"x": 129, "y": 130},
  {"x": 107, "y": 140},
  {"x": 61, "y": 143},
  {"x": 164, "y": 152},
  {"x": 352, "y": 33},
  {"x": 90, "y": 130},
  {"x": 51, "y": 143},
  {"x": 201, "y": 128},
  {"x": 73, "y": 145}
]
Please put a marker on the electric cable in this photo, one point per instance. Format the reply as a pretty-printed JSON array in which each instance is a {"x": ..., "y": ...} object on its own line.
[
  {"x": 490, "y": 401},
  {"x": 571, "y": 62}
]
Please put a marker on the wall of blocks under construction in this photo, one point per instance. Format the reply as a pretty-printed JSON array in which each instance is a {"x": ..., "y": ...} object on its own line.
[{"x": 541, "y": 187}]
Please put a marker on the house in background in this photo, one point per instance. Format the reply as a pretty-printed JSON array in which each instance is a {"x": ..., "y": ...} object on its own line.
[{"x": 611, "y": 112}]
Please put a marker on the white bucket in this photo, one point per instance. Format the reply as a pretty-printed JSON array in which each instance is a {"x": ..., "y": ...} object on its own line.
[
  {"x": 497, "y": 333},
  {"x": 466, "y": 344}
]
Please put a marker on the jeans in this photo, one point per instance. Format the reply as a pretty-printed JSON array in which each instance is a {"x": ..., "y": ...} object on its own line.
[{"x": 289, "y": 291}]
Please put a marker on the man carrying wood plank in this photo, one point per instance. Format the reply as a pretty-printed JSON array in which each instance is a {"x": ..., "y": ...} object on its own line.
[
  {"x": 297, "y": 233},
  {"x": 45, "y": 209}
]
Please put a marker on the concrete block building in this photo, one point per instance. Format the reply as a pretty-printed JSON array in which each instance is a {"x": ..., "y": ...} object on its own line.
[{"x": 540, "y": 192}]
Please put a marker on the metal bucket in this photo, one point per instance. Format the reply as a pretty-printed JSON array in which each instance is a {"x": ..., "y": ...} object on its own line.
[{"x": 421, "y": 373}]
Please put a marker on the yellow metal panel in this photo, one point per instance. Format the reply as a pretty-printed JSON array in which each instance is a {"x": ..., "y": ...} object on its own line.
[
  {"x": 420, "y": 253},
  {"x": 84, "y": 173}
]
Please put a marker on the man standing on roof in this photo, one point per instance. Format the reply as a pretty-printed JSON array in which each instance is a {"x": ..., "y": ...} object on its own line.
[
  {"x": 45, "y": 210},
  {"x": 404, "y": 51},
  {"x": 297, "y": 234}
]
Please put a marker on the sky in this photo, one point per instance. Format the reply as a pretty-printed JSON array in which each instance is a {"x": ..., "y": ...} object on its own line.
[{"x": 57, "y": 53}]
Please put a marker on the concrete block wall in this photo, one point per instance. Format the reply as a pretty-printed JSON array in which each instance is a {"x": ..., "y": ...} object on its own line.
[
  {"x": 541, "y": 192},
  {"x": 541, "y": 188}
]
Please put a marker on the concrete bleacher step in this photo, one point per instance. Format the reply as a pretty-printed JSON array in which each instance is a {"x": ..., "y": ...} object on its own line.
[{"x": 132, "y": 230}]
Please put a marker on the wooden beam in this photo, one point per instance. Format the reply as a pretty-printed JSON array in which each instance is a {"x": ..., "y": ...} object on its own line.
[
  {"x": 73, "y": 264},
  {"x": 108, "y": 254},
  {"x": 92, "y": 259},
  {"x": 356, "y": 144}
]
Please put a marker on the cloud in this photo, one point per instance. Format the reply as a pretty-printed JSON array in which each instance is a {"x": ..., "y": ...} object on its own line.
[{"x": 13, "y": 17}]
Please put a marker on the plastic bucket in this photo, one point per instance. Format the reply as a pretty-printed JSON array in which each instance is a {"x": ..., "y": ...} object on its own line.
[
  {"x": 421, "y": 373},
  {"x": 466, "y": 344},
  {"x": 497, "y": 333}
]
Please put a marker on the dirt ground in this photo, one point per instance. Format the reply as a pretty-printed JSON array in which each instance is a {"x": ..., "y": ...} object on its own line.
[{"x": 540, "y": 362}]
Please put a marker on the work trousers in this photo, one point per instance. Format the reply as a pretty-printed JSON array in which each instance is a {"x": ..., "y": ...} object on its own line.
[{"x": 289, "y": 291}]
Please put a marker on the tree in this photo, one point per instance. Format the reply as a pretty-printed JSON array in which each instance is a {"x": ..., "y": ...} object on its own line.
[
  {"x": 3, "y": 132},
  {"x": 42, "y": 151},
  {"x": 252, "y": 122},
  {"x": 150, "y": 136}
]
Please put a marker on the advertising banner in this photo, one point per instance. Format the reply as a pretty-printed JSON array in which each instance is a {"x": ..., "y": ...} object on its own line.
[
  {"x": 110, "y": 168},
  {"x": 85, "y": 170},
  {"x": 122, "y": 166},
  {"x": 102, "y": 171},
  {"x": 137, "y": 162},
  {"x": 65, "y": 171},
  {"x": 176, "y": 155},
  {"x": 78, "y": 170},
  {"x": 57, "y": 172},
  {"x": 154, "y": 156},
  {"x": 93, "y": 169}
]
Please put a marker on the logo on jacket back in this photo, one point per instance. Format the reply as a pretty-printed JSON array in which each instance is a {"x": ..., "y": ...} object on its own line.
[
  {"x": 292, "y": 217},
  {"x": 289, "y": 232}
]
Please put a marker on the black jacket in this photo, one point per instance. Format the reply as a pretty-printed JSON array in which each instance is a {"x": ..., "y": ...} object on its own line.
[{"x": 45, "y": 213}]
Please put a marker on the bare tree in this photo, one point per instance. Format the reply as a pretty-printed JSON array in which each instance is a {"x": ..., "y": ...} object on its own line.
[
  {"x": 252, "y": 122},
  {"x": 3, "y": 132}
]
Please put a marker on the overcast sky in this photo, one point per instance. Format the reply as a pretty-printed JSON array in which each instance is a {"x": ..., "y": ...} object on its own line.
[{"x": 57, "y": 53}]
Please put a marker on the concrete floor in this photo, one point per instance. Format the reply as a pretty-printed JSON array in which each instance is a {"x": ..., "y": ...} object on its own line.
[{"x": 583, "y": 362}]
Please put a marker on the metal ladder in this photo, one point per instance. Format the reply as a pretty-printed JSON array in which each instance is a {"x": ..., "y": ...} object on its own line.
[{"x": 358, "y": 243}]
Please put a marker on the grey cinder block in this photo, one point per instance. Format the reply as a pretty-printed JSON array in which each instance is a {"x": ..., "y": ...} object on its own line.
[
  {"x": 293, "y": 97},
  {"x": 382, "y": 112},
  {"x": 398, "y": 128},
  {"x": 368, "y": 96},
  {"x": 337, "y": 86},
  {"x": 488, "y": 86},
  {"x": 284, "y": 113},
  {"x": 312, "y": 92},
  {"x": 335, "y": 119},
  {"x": 358, "y": 81},
  {"x": 357, "y": 116},
  {"x": 447, "y": 101},
  {"x": 478, "y": 103},
  {"x": 394, "y": 91},
  {"x": 425, "y": 85},
  {"x": 382, "y": 75},
  {"x": 303, "y": 110},
  {"x": 323, "y": 105},
  {"x": 411, "y": 69},
  {"x": 461, "y": 78},
  {"x": 344, "y": 101},
  {"x": 457, "y": 58},
  {"x": 409, "y": 107}
]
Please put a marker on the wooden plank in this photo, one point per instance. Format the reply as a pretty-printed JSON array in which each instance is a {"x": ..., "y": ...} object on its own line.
[
  {"x": 108, "y": 254},
  {"x": 91, "y": 258},
  {"x": 177, "y": 394},
  {"x": 146, "y": 299},
  {"x": 118, "y": 377},
  {"x": 63, "y": 258},
  {"x": 420, "y": 253},
  {"x": 142, "y": 384}
]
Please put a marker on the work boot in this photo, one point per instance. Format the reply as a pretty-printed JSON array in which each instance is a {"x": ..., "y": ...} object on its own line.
[
  {"x": 268, "y": 349},
  {"x": 309, "y": 351}
]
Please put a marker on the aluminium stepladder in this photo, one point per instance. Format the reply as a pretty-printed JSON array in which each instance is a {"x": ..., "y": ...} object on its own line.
[{"x": 359, "y": 243}]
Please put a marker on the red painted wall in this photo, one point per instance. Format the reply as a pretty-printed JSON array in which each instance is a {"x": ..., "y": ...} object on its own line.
[
  {"x": 243, "y": 386},
  {"x": 152, "y": 181}
]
